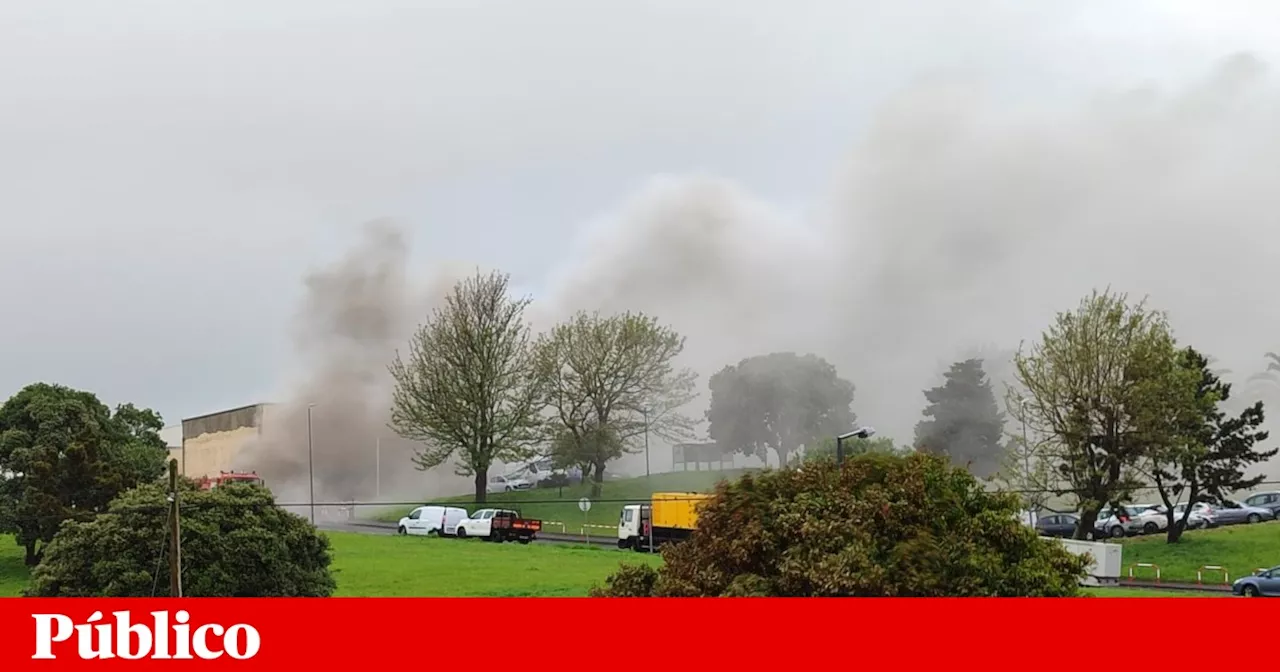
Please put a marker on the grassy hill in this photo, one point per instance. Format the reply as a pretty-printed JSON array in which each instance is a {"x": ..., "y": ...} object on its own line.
[
  {"x": 1241, "y": 549},
  {"x": 558, "y": 507}
]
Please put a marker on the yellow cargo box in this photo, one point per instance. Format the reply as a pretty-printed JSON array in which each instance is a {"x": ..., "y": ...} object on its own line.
[{"x": 677, "y": 509}]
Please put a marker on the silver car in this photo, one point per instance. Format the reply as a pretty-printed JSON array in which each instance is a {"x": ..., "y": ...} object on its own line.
[{"x": 1234, "y": 513}]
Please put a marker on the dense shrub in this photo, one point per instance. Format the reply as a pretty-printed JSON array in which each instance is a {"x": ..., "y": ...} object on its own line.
[
  {"x": 556, "y": 480},
  {"x": 883, "y": 525},
  {"x": 235, "y": 543}
]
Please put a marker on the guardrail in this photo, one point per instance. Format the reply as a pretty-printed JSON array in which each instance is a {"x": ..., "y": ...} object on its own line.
[
  {"x": 1145, "y": 565},
  {"x": 1226, "y": 578}
]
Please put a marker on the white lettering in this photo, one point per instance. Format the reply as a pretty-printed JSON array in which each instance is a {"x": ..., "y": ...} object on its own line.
[
  {"x": 96, "y": 639},
  {"x": 201, "y": 641},
  {"x": 231, "y": 642},
  {"x": 125, "y": 633},
  {"x": 45, "y": 636}
]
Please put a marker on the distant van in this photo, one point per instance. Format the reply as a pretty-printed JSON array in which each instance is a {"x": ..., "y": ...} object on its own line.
[{"x": 440, "y": 520}]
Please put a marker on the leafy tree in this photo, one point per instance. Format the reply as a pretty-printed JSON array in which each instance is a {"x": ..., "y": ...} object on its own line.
[
  {"x": 467, "y": 388},
  {"x": 963, "y": 422},
  {"x": 235, "y": 543},
  {"x": 825, "y": 448},
  {"x": 780, "y": 402},
  {"x": 1215, "y": 450},
  {"x": 608, "y": 380},
  {"x": 1101, "y": 385},
  {"x": 883, "y": 525},
  {"x": 67, "y": 455}
]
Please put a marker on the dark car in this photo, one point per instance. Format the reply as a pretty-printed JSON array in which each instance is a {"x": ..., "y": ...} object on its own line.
[
  {"x": 1057, "y": 525},
  {"x": 1265, "y": 583}
]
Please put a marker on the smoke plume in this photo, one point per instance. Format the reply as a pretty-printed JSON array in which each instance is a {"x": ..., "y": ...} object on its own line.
[{"x": 959, "y": 226}]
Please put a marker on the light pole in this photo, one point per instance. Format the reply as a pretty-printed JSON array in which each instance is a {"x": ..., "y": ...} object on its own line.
[
  {"x": 859, "y": 433},
  {"x": 377, "y": 468},
  {"x": 311, "y": 466},
  {"x": 645, "y": 412}
]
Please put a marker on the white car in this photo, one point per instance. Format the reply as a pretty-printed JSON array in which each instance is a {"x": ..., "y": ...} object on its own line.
[
  {"x": 1201, "y": 515},
  {"x": 424, "y": 520},
  {"x": 480, "y": 523},
  {"x": 507, "y": 484},
  {"x": 1138, "y": 519}
]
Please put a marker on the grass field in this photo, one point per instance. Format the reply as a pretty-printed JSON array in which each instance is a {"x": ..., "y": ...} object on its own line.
[
  {"x": 13, "y": 573},
  {"x": 1241, "y": 549},
  {"x": 558, "y": 507}
]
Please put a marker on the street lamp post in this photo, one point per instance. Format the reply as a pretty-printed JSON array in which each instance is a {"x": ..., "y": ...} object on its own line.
[
  {"x": 859, "y": 433},
  {"x": 377, "y": 468},
  {"x": 645, "y": 412},
  {"x": 311, "y": 469}
]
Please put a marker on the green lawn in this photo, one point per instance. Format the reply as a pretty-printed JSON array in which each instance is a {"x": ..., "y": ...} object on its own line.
[
  {"x": 13, "y": 573},
  {"x": 558, "y": 507},
  {"x": 1147, "y": 592},
  {"x": 1241, "y": 549}
]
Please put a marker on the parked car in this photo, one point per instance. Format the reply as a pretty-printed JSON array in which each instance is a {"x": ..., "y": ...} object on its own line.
[
  {"x": 1057, "y": 525},
  {"x": 1132, "y": 519},
  {"x": 1265, "y": 583},
  {"x": 507, "y": 484},
  {"x": 424, "y": 520},
  {"x": 1233, "y": 513},
  {"x": 1265, "y": 500},
  {"x": 1201, "y": 515}
]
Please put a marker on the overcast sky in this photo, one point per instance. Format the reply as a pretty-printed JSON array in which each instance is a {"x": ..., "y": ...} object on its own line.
[{"x": 169, "y": 171}]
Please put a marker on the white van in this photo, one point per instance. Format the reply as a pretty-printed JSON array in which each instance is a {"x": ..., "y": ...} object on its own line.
[{"x": 424, "y": 520}]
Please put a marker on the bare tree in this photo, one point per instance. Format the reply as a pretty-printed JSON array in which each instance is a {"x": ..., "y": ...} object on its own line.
[
  {"x": 467, "y": 387},
  {"x": 608, "y": 380}
]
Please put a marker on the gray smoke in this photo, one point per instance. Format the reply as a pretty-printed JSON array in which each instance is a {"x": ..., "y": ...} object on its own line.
[
  {"x": 962, "y": 224},
  {"x": 354, "y": 316}
]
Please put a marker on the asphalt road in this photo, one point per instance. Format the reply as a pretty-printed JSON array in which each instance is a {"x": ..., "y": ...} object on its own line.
[{"x": 376, "y": 528}]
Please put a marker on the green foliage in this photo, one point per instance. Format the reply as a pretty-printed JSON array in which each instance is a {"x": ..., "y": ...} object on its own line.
[
  {"x": 963, "y": 421},
  {"x": 1103, "y": 385},
  {"x": 69, "y": 455},
  {"x": 883, "y": 525},
  {"x": 778, "y": 402},
  {"x": 825, "y": 448},
  {"x": 1209, "y": 460},
  {"x": 467, "y": 388},
  {"x": 609, "y": 381},
  {"x": 235, "y": 543}
]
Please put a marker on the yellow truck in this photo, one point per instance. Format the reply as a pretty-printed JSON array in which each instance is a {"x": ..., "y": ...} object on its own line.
[{"x": 668, "y": 517}]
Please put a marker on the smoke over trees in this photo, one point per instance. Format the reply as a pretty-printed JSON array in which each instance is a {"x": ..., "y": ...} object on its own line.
[
  {"x": 780, "y": 402},
  {"x": 963, "y": 421}
]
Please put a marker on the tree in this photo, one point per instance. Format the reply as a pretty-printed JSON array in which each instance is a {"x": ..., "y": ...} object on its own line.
[
  {"x": 467, "y": 387},
  {"x": 1101, "y": 384},
  {"x": 780, "y": 401},
  {"x": 963, "y": 422},
  {"x": 66, "y": 456},
  {"x": 608, "y": 380},
  {"x": 825, "y": 448},
  {"x": 235, "y": 543},
  {"x": 1215, "y": 450},
  {"x": 881, "y": 525}
]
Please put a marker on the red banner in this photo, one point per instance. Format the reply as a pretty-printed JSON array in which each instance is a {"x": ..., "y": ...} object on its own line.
[{"x": 569, "y": 633}]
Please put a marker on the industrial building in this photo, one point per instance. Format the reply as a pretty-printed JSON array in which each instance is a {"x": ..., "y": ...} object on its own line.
[{"x": 211, "y": 442}]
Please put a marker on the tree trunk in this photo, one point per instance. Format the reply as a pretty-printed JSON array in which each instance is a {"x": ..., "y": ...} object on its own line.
[
  {"x": 482, "y": 486},
  {"x": 33, "y": 558},
  {"x": 597, "y": 480},
  {"x": 1176, "y": 528},
  {"x": 1087, "y": 520},
  {"x": 782, "y": 458}
]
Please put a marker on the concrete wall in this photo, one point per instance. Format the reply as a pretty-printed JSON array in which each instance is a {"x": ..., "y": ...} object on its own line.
[{"x": 210, "y": 443}]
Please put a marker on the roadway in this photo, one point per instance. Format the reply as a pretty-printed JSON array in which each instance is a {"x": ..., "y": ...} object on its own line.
[{"x": 377, "y": 528}]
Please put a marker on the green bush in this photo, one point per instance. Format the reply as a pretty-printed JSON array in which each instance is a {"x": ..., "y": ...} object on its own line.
[
  {"x": 235, "y": 543},
  {"x": 883, "y": 525}
]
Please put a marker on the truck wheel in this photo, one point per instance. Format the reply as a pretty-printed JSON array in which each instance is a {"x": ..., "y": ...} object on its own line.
[
  {"x": 402, "y": 531},
  {"x": 461, "y": 533},
  {"x": 525, "y": 540}
]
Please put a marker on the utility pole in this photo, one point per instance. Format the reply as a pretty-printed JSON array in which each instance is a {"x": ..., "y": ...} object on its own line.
[
  {"x": 645, "y": 411},
  {"x": 377, "y": 468},
  {"x": 311, "y": 468},
  {"x": 175, "y": 536}
]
